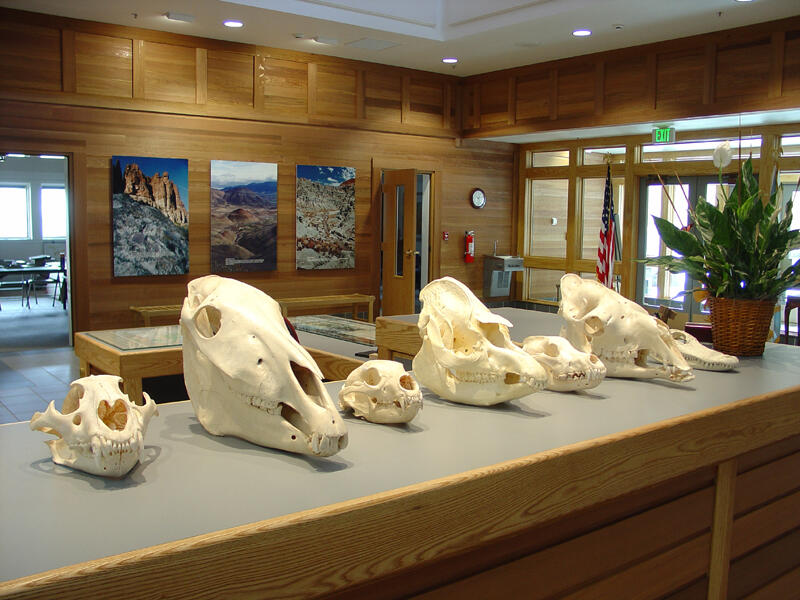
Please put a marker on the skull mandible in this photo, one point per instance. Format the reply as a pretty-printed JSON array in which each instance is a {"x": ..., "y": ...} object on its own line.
[
  {"x": 247, "y": 377},
  {"x": 99, "y": 429},
  {"x": 381, "y": 391},
  {"x": 467, "y": 355}
]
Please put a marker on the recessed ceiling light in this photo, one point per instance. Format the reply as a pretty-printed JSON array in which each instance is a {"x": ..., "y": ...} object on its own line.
[
  {"x": 13, "y": 155},
  {"x": 582, "y": 32},
  {"x": 325, "y": 40},
  {"x": 52, "y": 156},
  {"x": 232, "y": 23},
  {"x": 450, "y": 60},
  {"x": 173, "y": 16},
  {"x": 744, "y": 0}
]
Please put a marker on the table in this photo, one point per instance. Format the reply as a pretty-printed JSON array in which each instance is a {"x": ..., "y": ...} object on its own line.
[
  {"x": 46, "y": 269},
  {"x": 398, "y": 336},
  {"x": 139, "y": 352},
  {"x": 638, "y": 486},
  {"x": 328, "y": 302}
]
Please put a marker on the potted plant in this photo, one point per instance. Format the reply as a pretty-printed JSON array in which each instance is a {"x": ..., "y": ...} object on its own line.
[{"x": 734, "y": 251}]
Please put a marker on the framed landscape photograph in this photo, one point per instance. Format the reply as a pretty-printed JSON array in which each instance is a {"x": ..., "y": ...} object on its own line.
[
  {"x": 244, "y": 216},
  {"x": 326, "y": 219},
  {"x": 150, "y": 215}
]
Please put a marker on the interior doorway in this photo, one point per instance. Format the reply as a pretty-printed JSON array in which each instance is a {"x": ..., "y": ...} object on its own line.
[
  {"x": 35, "y": 303},
  {"x": 405, "y": 238}
]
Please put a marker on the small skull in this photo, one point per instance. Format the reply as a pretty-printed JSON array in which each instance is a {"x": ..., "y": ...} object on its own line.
[
  {"x": 99, "y": 429},
  {"x": 381, "y": 391},
  {"x": 568, "y": 369},
  {"x": 621, "y": 333},
  {"x": 247, "y": 377},
  {"x": 700, "y": 356},
  {"x": 467, "y": 355}
]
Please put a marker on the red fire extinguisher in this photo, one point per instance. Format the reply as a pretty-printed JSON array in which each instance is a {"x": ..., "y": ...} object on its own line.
[{"x": 469, "y": 246}]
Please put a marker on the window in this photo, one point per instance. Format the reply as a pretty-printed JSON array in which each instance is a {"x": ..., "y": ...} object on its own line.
[
  {"x": 54, "y": 212},
  {"x": 15, "y": 223},
  {"x": 593, "y": 197},
  {"x": 548, "y": 210}
]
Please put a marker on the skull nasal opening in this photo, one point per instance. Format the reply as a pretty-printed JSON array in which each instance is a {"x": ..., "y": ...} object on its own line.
[
  {"x": 308, "y": 383},
  {"x": 115, "y": 417},
  {"x": 208, "y": 321}
]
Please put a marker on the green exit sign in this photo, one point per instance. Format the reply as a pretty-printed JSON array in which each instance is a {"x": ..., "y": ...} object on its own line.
[{"x": 663, "y": 135}]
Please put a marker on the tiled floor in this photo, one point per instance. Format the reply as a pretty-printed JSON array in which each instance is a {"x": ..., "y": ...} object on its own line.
[{"x": 31, "y": 377}]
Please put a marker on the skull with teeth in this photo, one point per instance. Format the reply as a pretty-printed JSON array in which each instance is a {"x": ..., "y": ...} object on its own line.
[
  {"x": 99, "y": 429},
  {"x": 620, "y": 332},
  {"x": 247, "y": 377},
  {"x": 467, "y": 355},
  {"x": 700, "y": 356},
  {"x": 568, "y": 369},
  {"x": 381, "y": 391}
]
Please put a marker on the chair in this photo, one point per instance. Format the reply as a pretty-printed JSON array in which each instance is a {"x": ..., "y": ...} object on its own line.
[{"x": 792, "y": 302}]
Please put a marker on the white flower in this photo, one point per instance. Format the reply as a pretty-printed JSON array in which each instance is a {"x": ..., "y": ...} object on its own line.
[{"x": 722, "y": 155}]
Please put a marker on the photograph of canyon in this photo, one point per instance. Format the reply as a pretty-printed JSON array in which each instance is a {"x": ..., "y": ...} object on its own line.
[
  {"x": 326, "y": 220},
  {"x": 150, "y": 218},
  {"x": 244, "y": 216}
]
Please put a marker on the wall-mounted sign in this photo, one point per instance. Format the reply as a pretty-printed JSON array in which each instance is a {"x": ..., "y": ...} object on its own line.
[{"x": 663, "y": 135}]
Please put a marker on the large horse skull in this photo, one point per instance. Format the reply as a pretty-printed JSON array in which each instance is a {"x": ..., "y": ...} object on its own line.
[
  {"x": 99, "y": 429},
  {"x": 381, "y": 391},
  {"x": 247, "y": 377},
  {"x": 467, "y": 355},
  {"x": 568, "y": 369},
  {"x": 621, "y": 333},
  {"x": 700, "y": 356}
]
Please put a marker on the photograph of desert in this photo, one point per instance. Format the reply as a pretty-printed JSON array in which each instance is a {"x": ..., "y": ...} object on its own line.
[
  {"x": 244, "y": 216},
  {"x": 150, "y": 219},
  {"x": 326, "y": 220}
]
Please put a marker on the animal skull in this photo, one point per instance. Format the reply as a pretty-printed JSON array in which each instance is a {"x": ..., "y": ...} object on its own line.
[
  {"x": 467, "y": 355},
  {"x": 568, "y": 369},
  {"x": 247, "y": 377},
  {"x": 381, "y": 391},
  {"x": 99, "y": 429},
  {"x": 620, "y": 332},
  {"x": 700, "y": 356}
]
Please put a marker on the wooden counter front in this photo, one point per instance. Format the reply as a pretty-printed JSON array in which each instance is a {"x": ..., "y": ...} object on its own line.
[{"x": 635, "y": 489}]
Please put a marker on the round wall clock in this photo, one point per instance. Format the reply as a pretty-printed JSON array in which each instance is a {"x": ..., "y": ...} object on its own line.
[{"x": 477, "y": 198}]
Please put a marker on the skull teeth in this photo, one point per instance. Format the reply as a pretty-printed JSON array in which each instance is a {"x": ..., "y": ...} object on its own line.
[{"x": 269, "y": 406}]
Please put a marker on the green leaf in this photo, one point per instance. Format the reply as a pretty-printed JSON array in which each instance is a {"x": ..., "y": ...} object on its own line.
[{"x": 677, "y": 240}]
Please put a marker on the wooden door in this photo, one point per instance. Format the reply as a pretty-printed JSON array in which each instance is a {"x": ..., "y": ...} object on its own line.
[{"x": 399, "y": 241}]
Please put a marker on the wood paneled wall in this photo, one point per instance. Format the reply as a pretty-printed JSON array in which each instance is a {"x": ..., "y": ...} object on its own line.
[
  {"x": 91, "y": 136},
  {"x": 83, "y": 63},
  {"x": 737, "y": 70},
  {"x": 93, "y": 91}
]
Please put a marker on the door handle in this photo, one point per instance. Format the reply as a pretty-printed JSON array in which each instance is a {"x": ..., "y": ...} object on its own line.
[{"x": 411, "y": 252}]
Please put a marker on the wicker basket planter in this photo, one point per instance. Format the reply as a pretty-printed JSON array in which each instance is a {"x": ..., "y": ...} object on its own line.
[{"x": 740, "y": 327}]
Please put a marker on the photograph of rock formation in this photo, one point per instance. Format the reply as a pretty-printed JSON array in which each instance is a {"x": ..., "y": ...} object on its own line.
[
  {"x": 326, "y": 220},
  {"x": 150, "y": 218},
  {"x": 244, "y": 216}
]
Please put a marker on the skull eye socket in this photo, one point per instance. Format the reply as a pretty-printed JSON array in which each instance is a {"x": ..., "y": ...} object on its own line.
[
  {"x": 407, "y": 382},
  {"x": 593, "y": 358},
  {"x": 594, "y": 326},
  {"x": 551, "y": 350},
  {"x": 115, "y": 417},
  {"x": 73, "y": 399},
  {"x": 372, "y": 377},
  {"x": 208, "y": 321}
]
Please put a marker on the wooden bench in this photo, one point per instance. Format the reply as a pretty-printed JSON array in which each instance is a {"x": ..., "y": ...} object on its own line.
[
  {"x": 164, "y": 310},
  {"x": 328, "y": 302}
]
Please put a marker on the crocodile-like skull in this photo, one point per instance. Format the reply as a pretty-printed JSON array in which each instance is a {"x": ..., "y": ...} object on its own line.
[
  {"x": 467, "y": 355},
  {"x": 381, "y": 391},
  {"x": 247, "y": 377},
  {"x": 568, "y": 369},
  {"x": 700, "y": 356},
  {"x": 99, "y": 429},
  {"x": 620, "y": 332}
]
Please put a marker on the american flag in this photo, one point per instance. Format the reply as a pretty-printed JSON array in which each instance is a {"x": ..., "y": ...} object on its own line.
[{"x": 605, "y": 251}]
